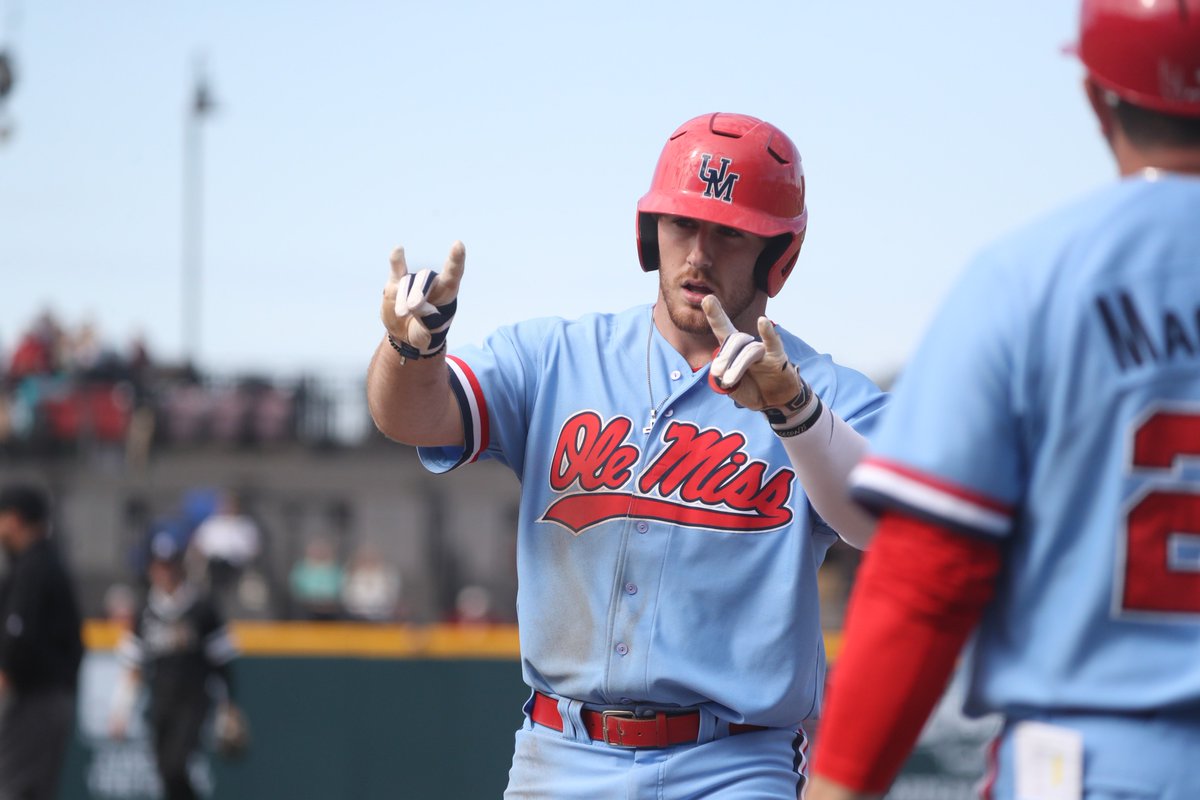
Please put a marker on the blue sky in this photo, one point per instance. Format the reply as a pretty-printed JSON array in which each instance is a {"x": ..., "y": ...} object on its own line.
[{"x": 526, "y": 129}]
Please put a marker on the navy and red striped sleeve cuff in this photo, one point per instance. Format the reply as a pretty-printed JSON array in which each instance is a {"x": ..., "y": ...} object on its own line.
[
  {"x": 880, "y": 485},
  {"x": 473, "y": 407}
]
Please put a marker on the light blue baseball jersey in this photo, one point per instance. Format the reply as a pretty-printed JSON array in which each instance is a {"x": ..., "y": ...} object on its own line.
[
  {"x": 1055, "y": 406},
  {"x": 670, "y": 564}
]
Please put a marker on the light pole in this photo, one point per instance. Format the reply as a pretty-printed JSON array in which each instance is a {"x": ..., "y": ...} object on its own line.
[
  {"x": 200, "y": 105},
  {"x": 8, "y": 24},
  {"x": 7, "y": 79}
]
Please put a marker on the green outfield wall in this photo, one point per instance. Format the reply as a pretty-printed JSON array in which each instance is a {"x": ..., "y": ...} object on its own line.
[
  {"x": 349, "y": 712},
  {"x": 335, "y": 712}
]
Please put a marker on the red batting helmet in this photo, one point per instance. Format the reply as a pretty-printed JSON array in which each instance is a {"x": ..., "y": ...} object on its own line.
[
  {"x": 734, "y": 170},
  {"x": 1147, "y": 52}
]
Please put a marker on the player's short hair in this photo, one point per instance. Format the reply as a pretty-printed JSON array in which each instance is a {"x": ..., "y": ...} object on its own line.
[
  {"x": 30, "y": 503},
  {"x": 1147, "y": 128}
]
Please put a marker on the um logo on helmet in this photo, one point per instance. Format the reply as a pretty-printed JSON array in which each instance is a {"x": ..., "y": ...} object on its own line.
[{"x": 719, "y": 183}]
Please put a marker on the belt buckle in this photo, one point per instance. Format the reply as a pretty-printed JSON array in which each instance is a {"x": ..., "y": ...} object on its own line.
[{"x": 619, "y": 714}]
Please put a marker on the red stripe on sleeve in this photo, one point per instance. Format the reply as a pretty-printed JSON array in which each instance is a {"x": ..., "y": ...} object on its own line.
[
  {"x": 480, "y": 403},
  {"x": 945, "y": 487}
]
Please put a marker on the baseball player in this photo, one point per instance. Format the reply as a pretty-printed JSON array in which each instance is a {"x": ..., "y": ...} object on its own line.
[
  {"x": 1038, "y": 474},
  {"x": 667, "y": 549},
  {"x": 179, "y": 646}
]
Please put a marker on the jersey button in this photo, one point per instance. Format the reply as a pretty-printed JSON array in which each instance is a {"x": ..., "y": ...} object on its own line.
[
  {"x": 676, "y": 375},
  {"x": 670, "y": 412},
  {"x": 622, "y": 649},
  {"x": 631, "y": 588},
  {"x": 642, "y": 527}
]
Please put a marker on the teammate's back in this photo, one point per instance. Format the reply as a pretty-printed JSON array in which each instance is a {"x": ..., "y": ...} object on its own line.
[
  {"x": 1038, "y": 474},
  {"x": 1108, "y": 298}
]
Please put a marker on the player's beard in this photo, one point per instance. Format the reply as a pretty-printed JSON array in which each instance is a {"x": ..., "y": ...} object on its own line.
[{"x": 691, "y": 319}]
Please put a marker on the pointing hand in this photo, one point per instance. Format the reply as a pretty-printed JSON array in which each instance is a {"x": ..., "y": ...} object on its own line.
[{"x": 755, "y": 372}]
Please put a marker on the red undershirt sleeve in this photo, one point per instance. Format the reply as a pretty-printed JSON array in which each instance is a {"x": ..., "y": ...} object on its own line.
[{"x": 921, "y": 590}]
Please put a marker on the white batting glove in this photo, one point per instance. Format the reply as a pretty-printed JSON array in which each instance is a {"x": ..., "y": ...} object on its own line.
[
  {"x": 419, "y": 307},
  {"x": 757, "y": 374}
]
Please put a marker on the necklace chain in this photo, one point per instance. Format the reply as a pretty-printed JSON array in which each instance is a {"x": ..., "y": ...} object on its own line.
[{"x": 649, "y": 387}]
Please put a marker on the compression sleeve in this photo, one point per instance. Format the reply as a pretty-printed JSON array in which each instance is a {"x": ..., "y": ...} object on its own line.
[
  {"x": 823, "y": 457},
  {"x": 920, "y": 592}
]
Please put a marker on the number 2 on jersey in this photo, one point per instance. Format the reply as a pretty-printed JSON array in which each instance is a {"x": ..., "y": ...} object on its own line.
[{"x": 1162, "y": 530}]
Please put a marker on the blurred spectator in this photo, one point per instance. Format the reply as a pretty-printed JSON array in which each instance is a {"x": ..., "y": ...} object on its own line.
[
  {"x": 139, "y": 361},
  {"x": 228, "y": 541},
  {"x": 40, "y": 649},
  {"x": 179, "y": 643},
  {"x": 473, "y": 606},
  {"x": 38, "y": 351},
  {"x": 316, "y": 582},
  {"x": 274, "y": 412},
  {"x": 254, "y": 596},
  {"x": 251, "y": 411},
  {"x": 31, "y": 371},
  {"x": 371, "y": 590},
  {"x": 68, "y": 386},
  {"x": 83, "y": 352}
]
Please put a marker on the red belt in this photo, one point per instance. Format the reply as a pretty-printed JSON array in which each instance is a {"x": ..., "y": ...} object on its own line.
[{"x": 620, "y": 728}]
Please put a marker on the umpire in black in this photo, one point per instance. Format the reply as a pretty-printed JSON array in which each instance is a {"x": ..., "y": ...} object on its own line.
[{"x": 40, "y": 649}]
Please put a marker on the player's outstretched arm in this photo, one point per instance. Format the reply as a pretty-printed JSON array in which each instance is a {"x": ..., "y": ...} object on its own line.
[
  {"x": 408, "y": 390},
  {"x": 757, "y": 374}
]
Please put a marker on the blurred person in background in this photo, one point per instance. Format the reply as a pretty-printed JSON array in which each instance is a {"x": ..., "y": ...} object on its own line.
[
  {"x": 371, "y": 586},
  {"x": 32, "y": 367},
  {"x": 316, "y": 582},
  {"x": 472, "y": 606},
  {"x": 181, "y": 650},
  {"x": 229, "y": 541},
  {"x": 40, "y": 649},
  {"x": 38, "y": 350},
  {"x": 83, "y": 349}
]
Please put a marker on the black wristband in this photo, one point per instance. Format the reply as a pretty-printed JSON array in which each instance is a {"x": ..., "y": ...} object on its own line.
[
  {"x": 779, "y": 415},
  {"x": 407, "y": 351},
  {"x": 804, "y": 424}
]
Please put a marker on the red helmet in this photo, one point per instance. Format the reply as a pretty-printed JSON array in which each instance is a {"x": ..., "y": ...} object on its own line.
[
  {"x": 734, "y": 170},
  {"x": 1147, "y": 52}
]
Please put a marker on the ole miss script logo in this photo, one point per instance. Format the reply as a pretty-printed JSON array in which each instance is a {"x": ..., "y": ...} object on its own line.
[{"x": 702, "y": 479}]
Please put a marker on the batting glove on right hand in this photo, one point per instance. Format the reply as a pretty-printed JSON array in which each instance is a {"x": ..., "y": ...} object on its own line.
[
  {"x": 757, "y": 373},
  {"x": 419, "y": 307}
]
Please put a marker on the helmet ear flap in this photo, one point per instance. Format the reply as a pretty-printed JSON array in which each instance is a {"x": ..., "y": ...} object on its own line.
[
  {"x": 647, "y": 241},
  {"x": 776, "y": 261}
]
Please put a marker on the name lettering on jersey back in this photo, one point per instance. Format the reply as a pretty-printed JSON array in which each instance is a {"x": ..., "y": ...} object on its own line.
[
  {"x": 1134, "y": 342},
  {"x": 701, "y": 479}
]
